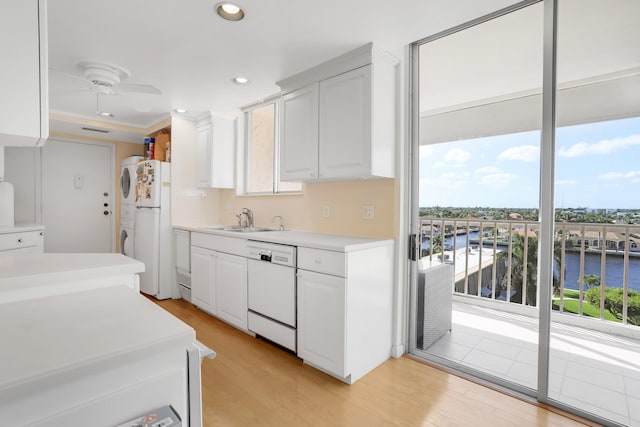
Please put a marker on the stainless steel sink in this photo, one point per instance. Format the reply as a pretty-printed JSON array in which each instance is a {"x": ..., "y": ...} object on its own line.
[{"x": 246, "y": 229}]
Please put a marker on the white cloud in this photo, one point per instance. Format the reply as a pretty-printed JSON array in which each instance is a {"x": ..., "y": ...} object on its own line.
[
  {"x": 605, "y": 146},
  {"x": 620, "y": 175},
  {"x": 497, "y": 179},
  {"x": 439, "y": 165},
  {"x": 488, "y": 169},
  {"x": 524, "y": 153},
  {"x": 425, "y": 151},
  {"x": 446, "y": 180},
  {"x": 566, "y": 182},
  {"x": 457, "y": 156}
]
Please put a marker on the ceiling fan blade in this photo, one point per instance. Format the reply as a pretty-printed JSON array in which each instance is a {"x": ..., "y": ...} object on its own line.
[
  {"x": 139, "y": 88},
  {"x": 69, "y": 75}
]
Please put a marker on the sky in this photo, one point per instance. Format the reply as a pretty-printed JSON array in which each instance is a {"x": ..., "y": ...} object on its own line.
[{"x": 597, "y": 166}]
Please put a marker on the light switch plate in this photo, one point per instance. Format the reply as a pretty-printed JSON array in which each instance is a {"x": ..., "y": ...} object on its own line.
[
  {"x": 326, "y": 211},
  {"x": 368, "y": 212}
]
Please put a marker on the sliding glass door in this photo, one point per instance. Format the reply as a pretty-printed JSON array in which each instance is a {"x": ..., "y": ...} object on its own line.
[
  {"x": 526, "y": 200},
  {"x": 480, "y": 120},
  {"x": 594, "y": 354}
]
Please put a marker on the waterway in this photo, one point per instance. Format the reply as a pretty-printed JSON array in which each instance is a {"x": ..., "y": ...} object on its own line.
[{"x": 614, "y": 265}]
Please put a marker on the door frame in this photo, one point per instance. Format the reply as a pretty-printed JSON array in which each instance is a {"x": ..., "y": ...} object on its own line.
[
  {"x": 546, "y": 203},
  {"x": 114, "y": 241}
]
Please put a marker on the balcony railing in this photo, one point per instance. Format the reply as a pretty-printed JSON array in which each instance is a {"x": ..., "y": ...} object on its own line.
[{"x": 596, "y": 266}]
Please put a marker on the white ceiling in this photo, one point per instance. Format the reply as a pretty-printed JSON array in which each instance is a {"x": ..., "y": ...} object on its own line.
[
  {"x": 487, "y": 80},
  {"x": 190, "y": 54}
]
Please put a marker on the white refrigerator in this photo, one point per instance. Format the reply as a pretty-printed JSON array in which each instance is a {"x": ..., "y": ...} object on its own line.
[{"x": 152, "y": 229}]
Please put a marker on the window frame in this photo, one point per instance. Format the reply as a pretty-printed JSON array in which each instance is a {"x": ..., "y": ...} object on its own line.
[{"x": 246, "y": 157}]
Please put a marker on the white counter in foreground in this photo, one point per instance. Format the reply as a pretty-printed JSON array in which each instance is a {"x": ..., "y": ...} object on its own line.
[
  {"x": 26, "y": 276},
  {"x": 93, "y": 358}
]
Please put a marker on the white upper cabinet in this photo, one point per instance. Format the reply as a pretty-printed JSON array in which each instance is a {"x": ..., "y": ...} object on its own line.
[
  {"x": 345, "y": 125},
  {"x": 339, "y": 119},
  {"x": 299, "y": 135},
  {"x": 24, "y": 105},
  {"x": 215, "y": 152}
]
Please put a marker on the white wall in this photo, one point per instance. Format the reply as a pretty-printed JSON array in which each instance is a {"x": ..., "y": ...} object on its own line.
[
  {"x": 189, "y": 205},
  {"x": 22, "y": 170}
]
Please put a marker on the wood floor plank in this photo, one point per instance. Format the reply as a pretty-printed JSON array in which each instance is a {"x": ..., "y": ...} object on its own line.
[{"x": 254, "y": 383}]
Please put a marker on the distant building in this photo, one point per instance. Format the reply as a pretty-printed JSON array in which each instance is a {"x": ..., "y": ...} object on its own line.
[
  {"x": 515, "y": 216},
  {"x": 613, "y": 241}
]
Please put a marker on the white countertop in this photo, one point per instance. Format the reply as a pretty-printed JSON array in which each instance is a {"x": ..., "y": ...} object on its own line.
[
  {"x": 25, "y": 270},
  {"x": 331, "y": 242},
  {"x": 51, "y": 337},
  {"x": 21, "y": 228}
]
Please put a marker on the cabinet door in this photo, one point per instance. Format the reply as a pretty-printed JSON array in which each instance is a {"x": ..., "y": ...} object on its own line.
[
  {"x": 24, "y": 117},
  {"x": 203, "y": 156},
  {"x": 203, "y": 273},
  {"x": 215, "y": 153},
  {"x": 231, "y": 289},
  {"x": 182, "y": 245},
  {"x": 299, "y": 135},
  {"x": 345, "y": 125},
  {"x": 321, "y": 321}
]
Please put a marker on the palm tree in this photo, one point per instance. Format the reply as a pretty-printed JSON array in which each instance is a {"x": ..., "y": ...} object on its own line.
[
  {"x": 517, "y": 269},
  {"x": 436, "y": 243}
]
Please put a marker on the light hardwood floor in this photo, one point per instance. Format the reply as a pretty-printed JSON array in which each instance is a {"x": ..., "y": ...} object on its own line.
[{"x": 253, "y": 383}]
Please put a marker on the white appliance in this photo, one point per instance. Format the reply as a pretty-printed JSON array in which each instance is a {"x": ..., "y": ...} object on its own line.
[
  {"x": 128, "y": 180},
  {"x": 127, "y": 204},
  {"x": 6, "y": 197},
  {"x": 127, "y": 223},
  {"x": 152, "y": 228},
  {"x": 271, "y": 292}
]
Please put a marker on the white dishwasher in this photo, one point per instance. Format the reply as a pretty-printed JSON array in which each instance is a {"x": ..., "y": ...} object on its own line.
[{"x": 272, "y": 292}]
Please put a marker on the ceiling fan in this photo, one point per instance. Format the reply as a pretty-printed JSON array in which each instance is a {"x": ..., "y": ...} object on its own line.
[{"x": 106, "y": 79}]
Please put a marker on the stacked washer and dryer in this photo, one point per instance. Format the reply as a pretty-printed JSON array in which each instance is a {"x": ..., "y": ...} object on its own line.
[{"x": 128, "y": 204}]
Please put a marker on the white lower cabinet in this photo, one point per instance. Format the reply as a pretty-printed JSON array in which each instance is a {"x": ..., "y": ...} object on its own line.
[
  {"x": 321, "y": 321},
  {"x": 203, "y": 273},
  {"x": 231, "y": 289},
  {"x": 345, "y": 305},
  {"x": 15, "y": 241},
  {"x": 219, "y": 279}
]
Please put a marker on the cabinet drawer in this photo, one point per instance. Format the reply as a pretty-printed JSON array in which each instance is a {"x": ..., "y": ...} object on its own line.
[
  {"x": 322, "y": 261},
  {"x": 228, "y": 245},
  {"x": 14, "y": 241}
]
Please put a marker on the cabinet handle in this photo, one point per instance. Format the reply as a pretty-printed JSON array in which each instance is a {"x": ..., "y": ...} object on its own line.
[
  {"x": 42, "y": 233},
  {"x": 318, "y": 261},
  {"x": 20, "y": 240}
]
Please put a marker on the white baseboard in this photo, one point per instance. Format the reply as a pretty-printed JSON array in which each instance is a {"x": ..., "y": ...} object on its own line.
[{"x": 397, "y": 351}]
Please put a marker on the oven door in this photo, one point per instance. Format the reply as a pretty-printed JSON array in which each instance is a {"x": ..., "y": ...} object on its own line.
[{"x": 272, "y": 291}]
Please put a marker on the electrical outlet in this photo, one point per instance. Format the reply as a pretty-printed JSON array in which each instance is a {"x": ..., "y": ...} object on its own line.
[
  {"x": 368, "y": 212},
  {"x": 326, "y": 211}
]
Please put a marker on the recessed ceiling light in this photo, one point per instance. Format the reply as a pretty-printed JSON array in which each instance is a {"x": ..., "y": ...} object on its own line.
[
  {"x": 180, "y": 110},
  {"x": 229, "y": 11},
  {"x": 105, "y": 114},
  {"x": 241, "y": 80}
]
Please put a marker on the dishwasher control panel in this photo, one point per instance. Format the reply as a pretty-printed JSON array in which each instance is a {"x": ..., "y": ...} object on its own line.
[
  {"x": 265, "y": 255},
  {"x": 272, "y": 252}
]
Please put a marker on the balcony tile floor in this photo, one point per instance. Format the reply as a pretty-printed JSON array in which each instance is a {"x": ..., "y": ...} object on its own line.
[{"x": 593, "y": 371}]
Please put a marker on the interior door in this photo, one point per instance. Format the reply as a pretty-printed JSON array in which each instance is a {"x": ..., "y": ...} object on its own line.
[{"x": 77, "y": 196}]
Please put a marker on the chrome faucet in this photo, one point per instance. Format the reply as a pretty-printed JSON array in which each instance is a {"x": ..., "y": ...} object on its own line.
[
  {"x": 247, "y": 212},
  {"x": 276, "y": 217}
]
